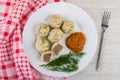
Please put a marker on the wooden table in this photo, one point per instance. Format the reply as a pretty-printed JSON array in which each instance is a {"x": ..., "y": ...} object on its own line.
[{"x": 110, "y": 59}]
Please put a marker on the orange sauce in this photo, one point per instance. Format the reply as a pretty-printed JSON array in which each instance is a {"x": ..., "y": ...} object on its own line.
[{"x": 76, "y": 42}]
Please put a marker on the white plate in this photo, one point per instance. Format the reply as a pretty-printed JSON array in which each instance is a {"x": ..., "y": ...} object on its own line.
[{"x": 67, "y": 11}]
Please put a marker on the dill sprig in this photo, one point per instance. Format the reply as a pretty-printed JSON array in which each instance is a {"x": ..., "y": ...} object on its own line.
[{"x": 65, "y": 63}]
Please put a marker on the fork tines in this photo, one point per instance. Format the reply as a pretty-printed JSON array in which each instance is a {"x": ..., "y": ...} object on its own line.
[{"x": 106, "y": 17}]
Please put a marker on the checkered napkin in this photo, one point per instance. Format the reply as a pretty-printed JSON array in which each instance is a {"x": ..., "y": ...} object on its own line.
[{"x": 13, "y": 61}]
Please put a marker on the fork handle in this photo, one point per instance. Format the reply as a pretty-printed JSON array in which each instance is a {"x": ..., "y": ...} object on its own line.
[{"x": 100, "y": 48}]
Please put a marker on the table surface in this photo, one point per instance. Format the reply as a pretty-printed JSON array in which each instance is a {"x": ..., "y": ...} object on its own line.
[{"x": 110, "y": 58}]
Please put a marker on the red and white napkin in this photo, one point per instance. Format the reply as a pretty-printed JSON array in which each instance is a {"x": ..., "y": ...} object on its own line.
[{"x": 14, "y": 64}]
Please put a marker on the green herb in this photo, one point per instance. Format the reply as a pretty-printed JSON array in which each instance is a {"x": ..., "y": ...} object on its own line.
[
  {"x": 43, "y": 41},
  {"x": 64, "y": 63}
]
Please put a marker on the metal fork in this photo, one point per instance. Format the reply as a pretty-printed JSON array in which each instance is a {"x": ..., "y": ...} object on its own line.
[{"x": 104, "y": 24}]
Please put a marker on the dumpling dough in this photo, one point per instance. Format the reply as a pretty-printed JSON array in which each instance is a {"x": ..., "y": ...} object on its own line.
[
  {"x": 42, "y": 30},
  {"x": 55, "y": 35},
  {"x": 42, "y": 45},
  {"x": 68, "y": 26},
  {"x": 55, "y": 21}
]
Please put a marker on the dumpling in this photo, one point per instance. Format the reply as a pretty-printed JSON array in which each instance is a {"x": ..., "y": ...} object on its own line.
[
  {"x": 55, "y": 35},
  {"x": 57, "y": 48},
  {"x": 55, "y": 21},
  {"x": 42, "y": 45},
  {"x": 42, "y": 30},
  {"x": 46, "y": 56},
  {"x": 68, "y": 26}
]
